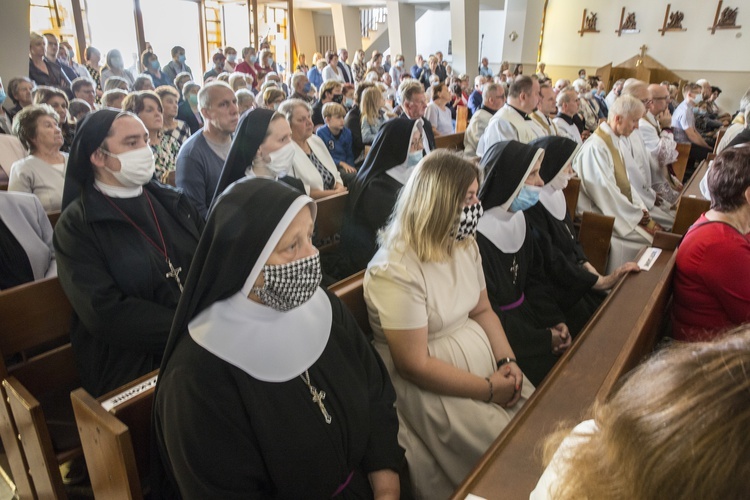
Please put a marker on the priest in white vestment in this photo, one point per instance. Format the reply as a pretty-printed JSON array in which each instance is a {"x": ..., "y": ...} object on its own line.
[
  {"x": 606, "y": 188},
  {"x": 547, "y": 107},
  {"x": 512, "y": 122},
  {"x": 493, "y": 98},
  {"x": 567, "y": 108}
]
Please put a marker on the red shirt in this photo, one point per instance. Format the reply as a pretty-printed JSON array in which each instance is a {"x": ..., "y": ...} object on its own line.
[
  {"x": 711, "y": 281},
  {"x": 244, "y": 67}
]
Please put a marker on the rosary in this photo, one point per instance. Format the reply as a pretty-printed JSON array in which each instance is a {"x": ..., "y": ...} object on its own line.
[
  {"x": 317, "y": 396},
  {"x": 514, "y": 270}
]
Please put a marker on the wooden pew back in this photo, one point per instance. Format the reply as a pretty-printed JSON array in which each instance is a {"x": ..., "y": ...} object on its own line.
[
  {"x": 680, "y": 165},
  {"x": 116, "y": 441},
  {"x": 462, "y": 119},
  {"x": 595, "y": 236},
  {"x": 621, "y": 332},
  {"x": 351, "y": 291},
  {"x": 330, "y": 217},
  {"x": 454, "y": 142},
  {"x": 692, "y": 203},
  {"x": 571, "y": 192}
]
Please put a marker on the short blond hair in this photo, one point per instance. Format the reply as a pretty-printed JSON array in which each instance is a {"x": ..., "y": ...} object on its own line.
[
  {"x": 333, "y": 109},
  {"x": 428, "y": 209}
]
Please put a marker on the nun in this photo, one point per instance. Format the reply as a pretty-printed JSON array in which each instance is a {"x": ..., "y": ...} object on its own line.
[
  {"x": 395, "y": 152},
  {"x": 262, "y": 147},
  {"x": 577, "y": 287},
  {"x": 512, "y": 261},
  {"x": 124, "y": 244},
  {"x": 268, "y": 388}
]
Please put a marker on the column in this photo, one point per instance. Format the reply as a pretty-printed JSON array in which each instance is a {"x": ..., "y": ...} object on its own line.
[
  {"x": 14, "y": 26},
  {"x": 525, "y": 18},
  {"x": 465, "y": 36},
  {"x": 346, "y": 27},
  {"x": 401, "y": 30}
]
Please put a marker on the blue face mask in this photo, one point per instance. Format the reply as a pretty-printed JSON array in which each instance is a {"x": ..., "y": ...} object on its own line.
[
  {"x": 181, "y": 58},
  {"x": 527, "y": 198},
  {"x": 253, "y": 59},
  {"x": 155, "y": 64},
  {"x": 307, "y": 88},
  {"x": 2, "y": 96},
  {"x": 413, "y": 158}
]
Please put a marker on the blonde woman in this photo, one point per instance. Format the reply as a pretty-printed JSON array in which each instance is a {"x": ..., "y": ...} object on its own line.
[
  {"x": 676, "y": 427},
  {"x": 371, "y": 114},
  {"x": 359, "y": 65},
  {"x": 456, "y": 379}
]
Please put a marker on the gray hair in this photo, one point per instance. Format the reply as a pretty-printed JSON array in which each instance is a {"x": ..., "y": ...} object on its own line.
[
  {"x": 287, "y": 108},
  {"x": 409, "y": 89},
  {"x": 204, "y": 94},
  {"x": 487, "y": 89},
  {"x": 627, "y": 106},
  {"x": 566, "y": 95}
]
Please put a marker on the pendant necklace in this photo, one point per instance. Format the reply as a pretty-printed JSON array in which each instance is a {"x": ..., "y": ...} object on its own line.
[
  {"x": 174, "y": 272},
  {"x": 317, "y": 396},
  {"x": 514, "y": 270}
]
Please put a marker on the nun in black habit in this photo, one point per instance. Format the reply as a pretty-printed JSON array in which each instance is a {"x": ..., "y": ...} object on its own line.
[
  {"x": 262, "y": 147},
  {"x": 268, "y": 389},
  {"x": 124, "y": 244},
  {"x": 395, "y": 152},
  {"x": 577, "y": 287},
  {"x": 513, "y": 263}
]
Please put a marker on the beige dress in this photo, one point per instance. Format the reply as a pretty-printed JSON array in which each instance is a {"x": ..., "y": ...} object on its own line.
[{"x": 443, "y": 436}]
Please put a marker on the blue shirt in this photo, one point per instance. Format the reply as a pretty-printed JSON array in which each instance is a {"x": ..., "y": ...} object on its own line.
[
  {"x": 340, "y": 147},
  {"x": 485, "y": 71},
  {"x": 315, "y": 77},
  {"x": 475, "y": 101},
  {"x": 682, "y": 119}
]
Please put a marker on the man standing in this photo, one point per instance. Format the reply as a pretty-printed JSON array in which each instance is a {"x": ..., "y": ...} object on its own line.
[
  {"x": 512, "y": 121},
  {"x": 418, "y": 68},
  {"x": 484, "y": 69},
  {"x": 201, "y": 157},
  {"x": 346, "y": 70},
  {"x": 546, "y": 108},
  {"x": 493, "y": 98},
  {"x": 606, "y": 188},
  {"x": 414, "y": 104},
  {"x": 440, "y": 69},
  {"x": 567, "y": 109},
  {"x": 177, "y": 64}
]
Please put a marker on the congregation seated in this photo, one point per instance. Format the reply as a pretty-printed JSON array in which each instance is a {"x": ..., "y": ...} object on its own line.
[
  {"x": 437, "y": 111},
  {"x": 338, "y": 140},
  {"x": 643, "y": 169},
  {"x": 173, "y": 127},
  {"x": 201, "y": 157},
  {"x": 20, "y": 92},
  {"x": 414, "y": 103},
  {"x": 261, "y": 147},
  {"x": 371, "y": 114},
  {"x": 544, "y": 112},
  {"x": 115, "y": 67},
  {"x": 588, "y": 108},
  {"x": 684, "y": 128},
  {"x": 150, "y": 63},
  {"x": 493, "y": 98},
  {"x": 43, "y": 70},
  {"x": 743, "y": 136},
  {"x": 455, "y": 376},
  {"x": 605, "y": 185},
  {"x": 512, "y": 121},
  {"x": 188, "y": 110},
  {"x": 373, "y": 192},
  {"x": 59, "y": 102},
  {"x": 712, "y": 277},
  {"x": 682, "y": 415},
  {"x": 301, "y": 88},
  {"x": 176, "y": 65},
  {"x": 123, "y": 244},
  {"x": 26, "y": 251},
  {"x": 330, "y": 91},
  {"x": 254, "y": 325},
  {"x": 739, "y": 124},
  {"x": 42, "y": 172},
  {"x": 311, "y": 162}
]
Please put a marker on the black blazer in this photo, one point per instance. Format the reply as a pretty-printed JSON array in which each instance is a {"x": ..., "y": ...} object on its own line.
[{"x": 185, "y": 114}]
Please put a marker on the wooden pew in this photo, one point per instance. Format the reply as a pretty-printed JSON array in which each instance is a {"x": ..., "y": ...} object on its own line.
[
  {"x": 330, "y": 218},
  {"x": 351, "y": 292},
  {"x": 680, "y": 165},
  {"x": 692, "y": 203},
  {"x": 452, "y": 141},
  {"x": 115, "y": 432},
  {"x": 35, "y": 320},
  {"x": 462, "y": 119},
  {"x": 623, "y": 330},
  {"x": 595, "y": 235},
  {"x": 719, "y": 136},
  {"x": 571, "y": 192}
]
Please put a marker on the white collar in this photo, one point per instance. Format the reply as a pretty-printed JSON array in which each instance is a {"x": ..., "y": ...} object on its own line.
[
  {"x": 401, "y": 173},
  {"x": 554, "y": 201},
  {"x": 117, "y": 191},
  {"x": 506, "y": 230},
  {"x": 267, "y": 344}
]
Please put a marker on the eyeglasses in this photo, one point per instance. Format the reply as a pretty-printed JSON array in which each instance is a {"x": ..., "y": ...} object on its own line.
[{"x": 660, "y": 98}]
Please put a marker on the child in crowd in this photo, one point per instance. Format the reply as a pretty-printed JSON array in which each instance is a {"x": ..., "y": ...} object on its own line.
[{"x": 338, "y": 139}]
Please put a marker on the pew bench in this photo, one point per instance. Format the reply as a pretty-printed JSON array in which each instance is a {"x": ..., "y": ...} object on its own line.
[
  {"x": 330, "y": 219},
  {"x": 622, "y": 331},
  {"x": 453, "y": 142},
  {"x": 691, "y": 203}
]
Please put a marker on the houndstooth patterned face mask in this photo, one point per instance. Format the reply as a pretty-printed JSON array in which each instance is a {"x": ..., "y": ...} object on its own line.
[
  {"x": 467, "y": 225},
  {"x": 290, "y": 285}
]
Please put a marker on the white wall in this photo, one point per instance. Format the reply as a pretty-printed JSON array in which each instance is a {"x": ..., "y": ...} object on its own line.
[
  {"x": 14, "y": 58},
  {"x": 722, "y": 58},
  {"x": 433, "y": 34}
]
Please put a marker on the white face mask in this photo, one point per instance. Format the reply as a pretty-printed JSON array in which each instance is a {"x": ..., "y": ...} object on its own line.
[
  {"x": 281, "y": 160},
  {"x": 136, "y": 166}
]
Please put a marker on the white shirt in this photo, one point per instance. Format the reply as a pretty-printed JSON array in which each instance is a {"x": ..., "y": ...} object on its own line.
[{"x": 332, "y": 74}]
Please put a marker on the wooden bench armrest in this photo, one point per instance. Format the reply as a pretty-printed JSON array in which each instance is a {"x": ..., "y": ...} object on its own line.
[{"x": 595, "y": 236}]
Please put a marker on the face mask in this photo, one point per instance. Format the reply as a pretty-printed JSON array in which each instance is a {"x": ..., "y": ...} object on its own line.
[
  {"x": 527, "y": 198},
  {"x": 698, "y": 99},
  {"x": 413, "y": 158},
  {"x": 181, "y": 58},
  {"x": 232, "y": 57},
  {"x": 349, "y": 102},
  {"x": 116, "y": 62},
  {"x": 193, "y": 99},
  {"x": 136, "y": 166},
  {"x": 270, "y": 61},
  {"x": 290, "y": 285},
  {"x": 155, "y": 64},
  {"x": 280, "y": 161},
  {"x": 276, "y": 106},
  {"x": 560, "y": 181},
  {"x": 3, "y": 95},
  {"x": 338, "y": 98},
  {"x": 253, "y": 59},
  {"x": 400, "y": 64},
  {"x": 307, "y": 88},
  {"x": 467, "y": 225}
]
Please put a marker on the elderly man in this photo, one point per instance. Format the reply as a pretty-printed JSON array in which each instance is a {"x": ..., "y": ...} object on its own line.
[
  {"x": 643, "y": 168},
  {"x": 484, "y": 69},
  {"x": 614, "y": 93},
  {"x": 301, "y": 87},
  {"x": 605, "y": 186},
  {"x": 547, "y": 107},
  {"x": 512, "y": 121},
  {"x": 493, "y": 98},
  {"x": 414, "y": 104},
  {"x": 330, "y": 91},
  {"x": 655, "y": 127},
  {"x": 567, "y": 110},
  {"x": 201, "y": 157}
]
